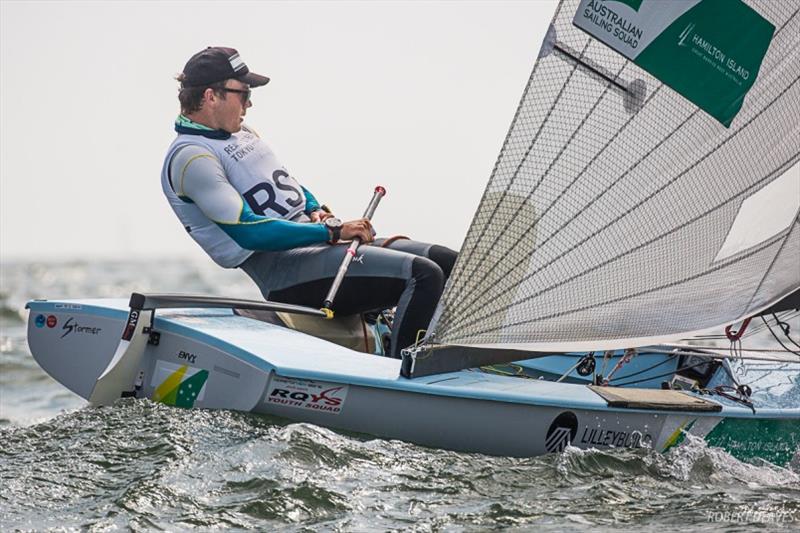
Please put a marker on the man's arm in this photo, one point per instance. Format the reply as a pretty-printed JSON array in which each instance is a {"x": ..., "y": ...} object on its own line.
[
  {"x": 311, "y": 202},
  {"x": 314, "y": 210},
  {"x": 197, "y": 176}
]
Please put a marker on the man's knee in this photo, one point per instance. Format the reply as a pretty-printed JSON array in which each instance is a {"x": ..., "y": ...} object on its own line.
[
  {"x": 427, "y": 275},
  {"x": 444, "y": 257}
]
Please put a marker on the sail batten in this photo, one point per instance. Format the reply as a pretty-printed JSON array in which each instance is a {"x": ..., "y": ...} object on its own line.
[
  {"x": 770, "y": 244},
  {"x": 466, "y": 298},
  {"x": 503, "y": 281},
  {"x": 604, "y": 222},
  {"x": 515, "y": 174},
  {"x": 469, "y": 321}
]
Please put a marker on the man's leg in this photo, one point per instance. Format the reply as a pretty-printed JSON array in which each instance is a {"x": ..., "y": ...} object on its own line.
[
  {"x": 378, "y": 278},
  {"x": 441, "y": 255}
]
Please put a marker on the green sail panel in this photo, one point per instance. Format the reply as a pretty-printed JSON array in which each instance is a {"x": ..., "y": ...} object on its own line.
[{"x": 709, "y": 51}]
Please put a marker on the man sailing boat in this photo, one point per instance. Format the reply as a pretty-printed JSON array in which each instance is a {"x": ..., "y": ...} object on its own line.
[{"x": 241, "y": 205}]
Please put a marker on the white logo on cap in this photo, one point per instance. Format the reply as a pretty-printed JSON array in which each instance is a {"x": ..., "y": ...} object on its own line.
[{"x": 236, "y": 62}]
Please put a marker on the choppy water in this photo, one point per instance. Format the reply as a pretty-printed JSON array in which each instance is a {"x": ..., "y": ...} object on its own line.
[{"x": 146, "y": 466}]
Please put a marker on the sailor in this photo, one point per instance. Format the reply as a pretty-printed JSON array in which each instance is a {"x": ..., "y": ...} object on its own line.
[{"x": 246, "y": 210}]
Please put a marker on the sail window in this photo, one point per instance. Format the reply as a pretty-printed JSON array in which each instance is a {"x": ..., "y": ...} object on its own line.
[{"x": 768, "y": 212}]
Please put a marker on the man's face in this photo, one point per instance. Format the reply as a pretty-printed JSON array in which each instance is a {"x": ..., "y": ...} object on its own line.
[{"x": 231, "y": 106}]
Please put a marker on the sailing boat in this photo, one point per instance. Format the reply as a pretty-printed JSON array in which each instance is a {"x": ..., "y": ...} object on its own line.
[{"x": 644, "y": 209}]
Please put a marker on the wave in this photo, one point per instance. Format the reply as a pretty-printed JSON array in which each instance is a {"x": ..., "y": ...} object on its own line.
[{"x": 146, "y": 465}]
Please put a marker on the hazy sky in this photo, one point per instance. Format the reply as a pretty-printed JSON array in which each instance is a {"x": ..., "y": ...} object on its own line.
[{"x": 416, "y": 96}]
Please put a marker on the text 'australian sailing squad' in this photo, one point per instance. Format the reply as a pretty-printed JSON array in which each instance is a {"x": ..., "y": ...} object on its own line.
[{"x": 607, "y": 19}]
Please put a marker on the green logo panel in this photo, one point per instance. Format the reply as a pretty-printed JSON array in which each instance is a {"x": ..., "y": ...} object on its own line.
[{"x": 711, "y": 55}]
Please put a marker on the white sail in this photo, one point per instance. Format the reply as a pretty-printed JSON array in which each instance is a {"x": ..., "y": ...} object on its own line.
[{"x": 620, "y": 212}]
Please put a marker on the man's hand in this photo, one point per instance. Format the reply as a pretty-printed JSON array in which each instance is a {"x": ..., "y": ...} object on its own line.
[
  {"x": 319, "y": 216},
  {"x": 361, "y": 229}
]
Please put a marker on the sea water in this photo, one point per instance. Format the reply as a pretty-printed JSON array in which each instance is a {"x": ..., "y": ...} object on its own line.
[{"x": 144, "y": 466}]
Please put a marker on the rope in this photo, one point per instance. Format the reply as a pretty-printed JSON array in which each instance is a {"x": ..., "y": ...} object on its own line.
[
  {"x": 661, "y": 375},
  {"x": 626, "y": 376},
  {"x": 573, "y": 367},
  {"x": 626, "y": 358},
  {"x": 391, "y": 240},
  {"x": 518, "y": 371},
  {"x": 784, "y": 328}
]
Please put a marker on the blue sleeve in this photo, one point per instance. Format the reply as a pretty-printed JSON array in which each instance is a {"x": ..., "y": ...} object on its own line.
[
  {"x": 311, "y": 203},
  {"x": 255, "y": 232}
]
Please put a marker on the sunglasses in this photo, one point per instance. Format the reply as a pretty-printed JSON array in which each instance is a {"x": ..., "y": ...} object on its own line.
[{"x": 245, "y": 92}]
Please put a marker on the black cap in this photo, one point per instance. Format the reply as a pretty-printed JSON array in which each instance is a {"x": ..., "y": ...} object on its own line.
[{"x": 217, "y": 63}]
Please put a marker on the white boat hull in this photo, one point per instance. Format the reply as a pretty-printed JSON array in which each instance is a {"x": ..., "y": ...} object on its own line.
[{"x": 213, "y": 359}]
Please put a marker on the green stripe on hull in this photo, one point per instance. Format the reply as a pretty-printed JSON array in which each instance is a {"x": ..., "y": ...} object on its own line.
[{"x": 776, "y": 441}]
